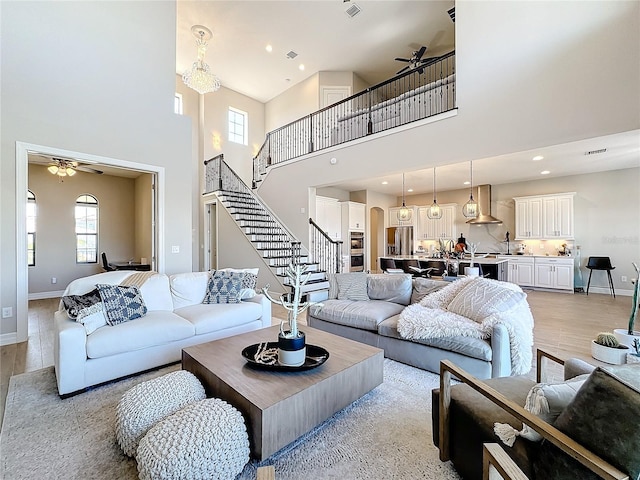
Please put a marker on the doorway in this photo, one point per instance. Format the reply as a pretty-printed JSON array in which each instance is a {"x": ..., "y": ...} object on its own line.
[
  {"x": 377, "y": 240},
  {"x": 210, "y": 234},
  {"x": 23, "y": 150}
]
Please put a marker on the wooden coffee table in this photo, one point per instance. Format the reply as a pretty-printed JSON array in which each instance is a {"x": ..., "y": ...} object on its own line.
[{"x": 280, "y": 406}]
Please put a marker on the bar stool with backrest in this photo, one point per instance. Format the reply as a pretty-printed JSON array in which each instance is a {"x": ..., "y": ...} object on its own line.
[
  {"x": 387, "y": 263},
  {"x": 600, "y": 263}
]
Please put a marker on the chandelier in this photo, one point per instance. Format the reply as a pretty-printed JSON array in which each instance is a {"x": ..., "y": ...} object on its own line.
[
  {"x": 470, "y": 209},
  {"x": 434, "y": 212},
  {"x": 62, "y": 168},
  {"x": 199, "y": 77},
  {"x": 404, "y": 214}
]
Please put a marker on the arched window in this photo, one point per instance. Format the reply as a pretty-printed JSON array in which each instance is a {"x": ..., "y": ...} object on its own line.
[
  {"x": 86, "y": 229},
  {"x": 31, "y": 228}
]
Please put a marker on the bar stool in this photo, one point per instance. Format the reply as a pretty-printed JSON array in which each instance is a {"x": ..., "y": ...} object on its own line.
[
  {"x": 600, "y": 263},
  {"x": 387, "y": 263}
]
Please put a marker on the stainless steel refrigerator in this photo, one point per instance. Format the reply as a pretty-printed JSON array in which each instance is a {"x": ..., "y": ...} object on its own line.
[{"x": 400, "y": 241}]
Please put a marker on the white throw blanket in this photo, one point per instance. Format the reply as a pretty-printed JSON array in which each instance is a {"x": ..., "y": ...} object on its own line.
[{"x": 431, "y": 319}]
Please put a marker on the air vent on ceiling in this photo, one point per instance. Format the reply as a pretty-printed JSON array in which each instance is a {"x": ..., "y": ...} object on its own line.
[
  {"x": 595, "y": 152},
  {"x": 452, "y": 14},
  {"x": 353, "y": 10},
  {"x": 291, "y": 54}
]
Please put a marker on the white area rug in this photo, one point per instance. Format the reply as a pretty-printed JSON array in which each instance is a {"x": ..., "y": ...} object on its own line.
[{"x": 384, "y": 435}]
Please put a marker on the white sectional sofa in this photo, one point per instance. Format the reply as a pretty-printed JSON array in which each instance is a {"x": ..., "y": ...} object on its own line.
[{"x": 175, "y": 318}]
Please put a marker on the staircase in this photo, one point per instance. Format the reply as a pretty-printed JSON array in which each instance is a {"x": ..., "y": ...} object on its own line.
[{"x": 271, "y": 239}]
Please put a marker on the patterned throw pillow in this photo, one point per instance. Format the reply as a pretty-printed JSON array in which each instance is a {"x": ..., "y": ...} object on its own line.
[
  {"x": 225, "y": 287},
  {"x": 249, "y": 280},
  {"x": 76, "y": 303},
  {"x": 121, "y": 304}
]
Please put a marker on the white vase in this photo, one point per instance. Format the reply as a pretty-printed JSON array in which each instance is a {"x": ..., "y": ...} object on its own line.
[
  {"x": 624, "y": 338},
  {"x": 472, "y": 271},
  {"x": 614, "y": 356}
]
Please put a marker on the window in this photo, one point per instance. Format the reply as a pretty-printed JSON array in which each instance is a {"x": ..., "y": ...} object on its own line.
[
  {"x": 86, "y": 229},
  {"x": 31, "y": 228},
  {"x": 177, "y": 104},
  {"x": 238, "y": 126}
]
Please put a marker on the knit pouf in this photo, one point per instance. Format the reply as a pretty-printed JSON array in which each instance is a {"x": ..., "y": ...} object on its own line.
[
  {"x": 205, "y": 440},
  {"x": 147, "y": 403}
]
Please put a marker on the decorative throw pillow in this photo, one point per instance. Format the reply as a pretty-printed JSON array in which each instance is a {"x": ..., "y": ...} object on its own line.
[
  {"x": 547, "y": 401},
  {"x": 443, "y": 297},
  {"x": 249, "y": 280},
  {"x": 92, "y": 318},
  {"x": 352, "y": 286},
  {"x": 333, "y": 286},
  {"x": 224, "y": 287},
  {"x": 76, "y": 303},
  {"x": 603, "y": 418},
  {"x": 423, "y": 287},
  {"x": 121, "y": 304},
  {"x": 482, "y": 297}
]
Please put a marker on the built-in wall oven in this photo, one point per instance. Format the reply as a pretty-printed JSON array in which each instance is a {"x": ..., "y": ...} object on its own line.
[{"x": 356, "y": 251}]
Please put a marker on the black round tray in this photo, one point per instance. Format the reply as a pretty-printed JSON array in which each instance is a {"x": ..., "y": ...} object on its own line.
[{"x": 316, "y": 356}]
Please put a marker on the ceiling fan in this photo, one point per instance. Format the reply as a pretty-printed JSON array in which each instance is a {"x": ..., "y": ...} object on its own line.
[
  {"x": 416, "y": 62},
  {"x": 64, "y": 167}
]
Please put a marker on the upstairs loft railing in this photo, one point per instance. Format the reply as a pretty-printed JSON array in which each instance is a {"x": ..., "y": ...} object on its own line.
[
  {"x": 219, "y": 177},
  {"x": 414, "y": 95},
  {"x": 324, "y": 250}
]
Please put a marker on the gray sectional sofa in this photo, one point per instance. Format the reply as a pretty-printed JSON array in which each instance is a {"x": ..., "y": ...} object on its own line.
[{"x": 375, "y": 322}]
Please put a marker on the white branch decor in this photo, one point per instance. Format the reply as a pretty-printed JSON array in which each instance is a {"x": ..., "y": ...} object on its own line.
[{"x": 291, "y": 302}]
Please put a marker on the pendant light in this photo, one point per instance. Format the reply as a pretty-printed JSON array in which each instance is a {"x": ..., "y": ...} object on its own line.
[
  {"x": 470, "y": 209},
  {"x": 404, "y": 214},
  {"x": 434, "y": 212}
]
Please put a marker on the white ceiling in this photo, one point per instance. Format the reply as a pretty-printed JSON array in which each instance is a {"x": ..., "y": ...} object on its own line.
[
  {"x": 327, "y": 39},
  {"x": 320, "y": 32}
]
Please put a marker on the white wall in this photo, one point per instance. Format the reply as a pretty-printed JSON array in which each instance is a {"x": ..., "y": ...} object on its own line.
[
  {"x": 292, "y": 104},
  {"x": 526, "y": 78},
  {"x": 97, "y": 78}
]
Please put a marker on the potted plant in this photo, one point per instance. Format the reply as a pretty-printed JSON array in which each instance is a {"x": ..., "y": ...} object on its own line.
[
  {"x": 634, "y": 357},
  {"x": 471, "y": 249},
  {"x": 627, "y": 337},
  {"x": 292, "y": 350},
  {"x": 606, "y": 348}
]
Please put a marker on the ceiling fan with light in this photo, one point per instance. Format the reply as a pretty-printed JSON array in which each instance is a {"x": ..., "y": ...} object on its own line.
[
  {"x": 63, "y": 167},
  {"x": 416, "y": 62}
]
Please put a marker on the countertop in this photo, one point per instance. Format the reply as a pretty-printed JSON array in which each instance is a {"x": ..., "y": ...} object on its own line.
[{"x": 490, "y": 260}]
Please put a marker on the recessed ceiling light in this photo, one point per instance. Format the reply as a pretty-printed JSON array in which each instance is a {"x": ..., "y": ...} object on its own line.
[
  {"x": 301, "y": 66},
  {"x": 409, "y": 189},
  {"x": 385, "y": 183},
  {"x": 537, "y": 157},
  {"x": 269, "y": 48},
  {"x": 545, "y": 172},
  {"x": 467, "y": 182}
]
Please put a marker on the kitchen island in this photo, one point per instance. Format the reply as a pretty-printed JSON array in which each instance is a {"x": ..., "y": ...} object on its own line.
[{"x": 490, "y": 266}]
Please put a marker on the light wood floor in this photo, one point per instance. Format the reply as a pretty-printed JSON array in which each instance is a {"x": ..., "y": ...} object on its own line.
[{"x": 563, "y": 323}]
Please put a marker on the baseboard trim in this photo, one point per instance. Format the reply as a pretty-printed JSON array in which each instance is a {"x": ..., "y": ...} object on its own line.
[
  {"x": 8, "y": 339},
  {"x": 44, "y": 295},
  {"x": 606, "y": 291}
]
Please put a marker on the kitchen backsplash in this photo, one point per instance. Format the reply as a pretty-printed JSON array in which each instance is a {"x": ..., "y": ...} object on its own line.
[{"x": 532, "y": 247}]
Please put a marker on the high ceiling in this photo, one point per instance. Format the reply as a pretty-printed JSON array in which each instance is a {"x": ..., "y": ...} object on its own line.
[
  {"x": 327, "y": 39},
  {"x": 323, "y": 35}
]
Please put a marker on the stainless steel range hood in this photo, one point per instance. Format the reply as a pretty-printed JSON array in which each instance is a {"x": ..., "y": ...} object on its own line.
[{"x": 484, "y": 208}]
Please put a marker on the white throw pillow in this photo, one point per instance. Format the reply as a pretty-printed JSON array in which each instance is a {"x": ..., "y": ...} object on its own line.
[
  {"x": 482, "y": 297},
  {"x": 92, "y": 318},
  {"x": 545, "y": 400}
]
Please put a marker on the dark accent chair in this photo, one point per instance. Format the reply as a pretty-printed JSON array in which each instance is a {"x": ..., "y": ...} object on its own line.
[
  {"x": 600, "y": 263},
  {"x": 105, "y": 263},
  {"x": 583, "y": 442}
]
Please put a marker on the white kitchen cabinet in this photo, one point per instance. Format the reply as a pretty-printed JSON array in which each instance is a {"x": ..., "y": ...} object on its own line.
[
  {"x": 528, "y": 218},
  {"x": 521, "y": 270},
  {"x": 431, "y": 229},
  {"x": 353, "y": 216},
  {"x": 393, "y": 217},
  {"x": 553, "y": 272},
  {"x": 329, "y": 216},
  {"x": 558, "y": 216},
  {"x": 544, "y": 217}
]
